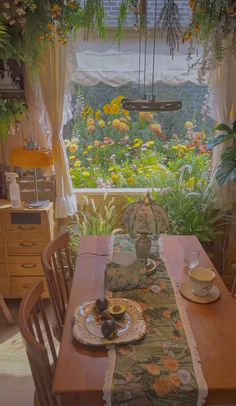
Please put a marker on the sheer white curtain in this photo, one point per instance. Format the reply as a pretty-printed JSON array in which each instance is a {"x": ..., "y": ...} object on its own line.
[
  {"x": 94, "y": 61},
  {"x": 222, "y": 83},
  {"x": 52, "y": 81}
]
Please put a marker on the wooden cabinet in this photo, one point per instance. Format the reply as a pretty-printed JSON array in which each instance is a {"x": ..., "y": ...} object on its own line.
[{"x": 23, "y": 235}]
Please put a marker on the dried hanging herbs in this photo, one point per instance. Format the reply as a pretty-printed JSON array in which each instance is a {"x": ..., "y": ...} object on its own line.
[{"x": 169, "y": 23}]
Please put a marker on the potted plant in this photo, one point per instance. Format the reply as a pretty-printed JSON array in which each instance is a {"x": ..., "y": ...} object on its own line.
[{"x": 11, "y": 113}]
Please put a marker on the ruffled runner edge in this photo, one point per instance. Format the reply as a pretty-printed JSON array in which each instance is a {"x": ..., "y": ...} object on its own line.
[{"x": 202, "y": 384}]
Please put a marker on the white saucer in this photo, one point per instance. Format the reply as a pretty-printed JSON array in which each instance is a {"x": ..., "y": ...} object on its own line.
[{"x": 186, "y": 290}]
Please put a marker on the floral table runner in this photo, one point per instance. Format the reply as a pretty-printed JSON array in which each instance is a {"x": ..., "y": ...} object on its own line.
[{"x": 163, "y": 368}]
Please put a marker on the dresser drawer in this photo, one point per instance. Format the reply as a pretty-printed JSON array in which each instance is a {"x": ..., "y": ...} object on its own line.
[
  {"x": 26, "y": 221},
  {"x": 25, "y": 265},
  {"x": 26, "y": 236},
  {"x": 3, "y": 270},
  {"x": 26, "y": 246},
  {"x": 21, "y": 285}
]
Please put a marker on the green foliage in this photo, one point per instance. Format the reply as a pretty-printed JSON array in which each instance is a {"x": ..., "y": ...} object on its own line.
[
  {"x": 95, "y": 219},
  {"x": 10, "y": 112},
  {"x": 226, "y": 170},
  {"x": 213, "y": 26},
  {"x": 191, "y": 213}
]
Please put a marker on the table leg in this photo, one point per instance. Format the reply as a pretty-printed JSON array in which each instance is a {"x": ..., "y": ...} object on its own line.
[{"x": 5, "y": 310}]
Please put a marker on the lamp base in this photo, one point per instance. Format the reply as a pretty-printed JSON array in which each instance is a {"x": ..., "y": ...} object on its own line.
[{"x": 36, "y": 204}]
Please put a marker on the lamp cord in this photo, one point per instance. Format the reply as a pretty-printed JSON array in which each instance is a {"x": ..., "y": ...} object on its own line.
[
  {"x": 145, "y": 54},
  {"x": 154, "y": 50}
]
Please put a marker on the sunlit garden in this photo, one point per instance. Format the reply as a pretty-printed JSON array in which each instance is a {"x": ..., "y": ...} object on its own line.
[{"x": 113, "y": 148}]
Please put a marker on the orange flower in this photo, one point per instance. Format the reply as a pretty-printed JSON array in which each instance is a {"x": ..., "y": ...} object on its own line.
[
  {"x": 171, "y": 364},
  {"x": 162, "y": 386},
  {"x": 175, "y": 380},
  {"x": 153, "y": 369},
  {"x": 126, "y": 350},
  {"x": 167, "y": 314},
  {"x": 144, "y": 306},
  {"x": 178, "y": 324},
  {"x": 162, "y": 285}
]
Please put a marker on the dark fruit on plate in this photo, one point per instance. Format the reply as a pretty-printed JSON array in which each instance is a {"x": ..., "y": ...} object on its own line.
[
  {"x": 108, "y": 328},
  {"x": 106, "y": 316},
  {"x": 101, "y": 304}
]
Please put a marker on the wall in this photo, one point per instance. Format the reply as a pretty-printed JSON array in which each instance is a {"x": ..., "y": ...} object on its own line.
[{"x": 112, "y": 10}]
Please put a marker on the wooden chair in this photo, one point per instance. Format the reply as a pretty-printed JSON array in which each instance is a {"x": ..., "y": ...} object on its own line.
[
  {"x": 57, "y": 265},
  {"x": 39, "y": 345},
  {"x": 5, "y": 310}
]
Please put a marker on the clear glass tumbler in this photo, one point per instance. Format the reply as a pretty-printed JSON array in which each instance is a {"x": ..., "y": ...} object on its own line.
[{"x": 191, "y": 258}]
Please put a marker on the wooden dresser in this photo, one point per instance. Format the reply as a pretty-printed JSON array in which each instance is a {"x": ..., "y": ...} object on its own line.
[{"x": 24, "y": 233}]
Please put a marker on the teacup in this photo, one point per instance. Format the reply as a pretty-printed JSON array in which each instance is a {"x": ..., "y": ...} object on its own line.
[{"x": 201, "y": 280}]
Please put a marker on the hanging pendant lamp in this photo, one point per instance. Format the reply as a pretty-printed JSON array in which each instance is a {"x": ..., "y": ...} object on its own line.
[{"x": 148, "y": 103}]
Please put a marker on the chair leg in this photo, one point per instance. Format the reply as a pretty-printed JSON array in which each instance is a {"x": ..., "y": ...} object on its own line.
[{"x": 5, "y": 310}]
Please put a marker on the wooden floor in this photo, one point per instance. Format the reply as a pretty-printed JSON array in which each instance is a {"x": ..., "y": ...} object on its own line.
[{"x": 16, "y": 384}]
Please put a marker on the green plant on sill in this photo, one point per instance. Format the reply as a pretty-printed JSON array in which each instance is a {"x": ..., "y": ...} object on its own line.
[
  {"x": 11, "y": 111},
  {"x": 192, "y": 213},
  {"x": 226, "y": 170},
  {"x": 95, "y": 219}
]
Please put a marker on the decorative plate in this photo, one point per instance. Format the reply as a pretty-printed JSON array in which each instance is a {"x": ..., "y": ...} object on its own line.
[{"x": 87, "y": 324}]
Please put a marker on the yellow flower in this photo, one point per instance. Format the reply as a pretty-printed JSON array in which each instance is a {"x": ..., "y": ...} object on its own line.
[
  {"x": 116, "y": 123},
  {"x": 191, "y": 182},
  {"x": 50, "y": 26},
  {"x": 97, "y": 143},
  {"x": 126, "y": 114},
  {"x": 123, "y": 127},
  {"x": 66, "y": 142},
  {"x": 114, "y": 109},
  {"x": 86, "y": 174},
  {"x": 150, "y": 143},
  {"x": 107, "y": 109},
  {"x": 72, "y": 157},
  {"x": 114, "y": 178},
  {"x": 73, "y": 148},
  {"x": 101, "y": 123},
  {"x": 156, "y": 128},
  {"x": 74, "y": 140},
  {"x": 87, "y": 112},
  {"x": 90, "y": 121},
  {"x": 56, "y": 9},
  {"x": 189, "y": 125},
  {"x": 98, "y": 114},
  {"x": 89, "y": 148},
  {"x": 77, "y": 164},
  {"x": 146, "y": 115},
  {"x": 131, "y": 181},
  {"x": 91, "y": 128},
  {"x": 120, "y": 98}
]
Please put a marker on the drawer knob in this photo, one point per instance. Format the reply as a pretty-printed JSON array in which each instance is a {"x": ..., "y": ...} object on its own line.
[
  {"x": 27, "y": 286},
  {"x": 27, "y": 244},
  {"x": 26, "y": 227},
  {"x": 28, "y": 265}
]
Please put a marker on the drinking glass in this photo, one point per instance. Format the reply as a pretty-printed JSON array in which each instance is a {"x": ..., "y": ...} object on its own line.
[{"x": 191, "y": 258}]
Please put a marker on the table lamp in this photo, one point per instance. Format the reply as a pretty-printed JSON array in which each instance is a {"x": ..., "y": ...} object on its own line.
[
  {"x": 32, "y": 157},
  {"x": 144, "y": 219}
]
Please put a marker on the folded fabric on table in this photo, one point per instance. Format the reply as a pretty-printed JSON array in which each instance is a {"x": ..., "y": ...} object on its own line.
[{"x": 121, "y": 277}]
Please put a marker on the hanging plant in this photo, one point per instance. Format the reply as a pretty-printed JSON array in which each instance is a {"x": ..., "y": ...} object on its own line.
[
  {"x": 213, "y": 27},
  {"x": 11, "y": 113}
]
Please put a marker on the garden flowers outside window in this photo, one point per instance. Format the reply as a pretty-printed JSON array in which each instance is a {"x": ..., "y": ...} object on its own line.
[{"x": 112, "y": 147}]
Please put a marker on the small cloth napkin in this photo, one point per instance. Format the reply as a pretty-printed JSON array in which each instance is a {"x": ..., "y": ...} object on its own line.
[{"x": 126, "y": 275}]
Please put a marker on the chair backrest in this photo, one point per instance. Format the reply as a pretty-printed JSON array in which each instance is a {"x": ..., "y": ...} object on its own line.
[
  {"x": 57, "y": 265},
  {"x": 39, "y": 345}
]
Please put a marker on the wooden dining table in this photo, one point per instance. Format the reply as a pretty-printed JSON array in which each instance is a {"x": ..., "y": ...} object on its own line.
[{"x": 80, "y": 370}]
